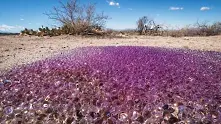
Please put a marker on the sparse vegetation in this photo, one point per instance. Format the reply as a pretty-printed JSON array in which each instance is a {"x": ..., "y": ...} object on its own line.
[
  {"x": 147, "y": 26},
  {"x": 43, "y": 31},
  {"x": 198, "y": 29},
  {"x": 77, "y": 19}
]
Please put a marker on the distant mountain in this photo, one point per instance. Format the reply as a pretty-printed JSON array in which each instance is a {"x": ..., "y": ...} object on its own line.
[{"x": 7, "y": 33}]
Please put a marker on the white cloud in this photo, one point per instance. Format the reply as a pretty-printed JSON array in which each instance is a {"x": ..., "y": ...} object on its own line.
[
  {"x": 176, "y": 8},
  {"x": 112, "y": 3},
  {"x": 22, "y": 19},
  {"x": 204, "y": 8},
  {"x": 10, "y": 28},
  {"x": 6, "y": 27}
]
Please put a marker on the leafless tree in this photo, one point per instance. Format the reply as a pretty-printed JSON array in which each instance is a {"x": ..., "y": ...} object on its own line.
[
  {"x": 147, "y": 25},
  {"x": 141, "y": 24},
  {"x": 76, "y": 17}
]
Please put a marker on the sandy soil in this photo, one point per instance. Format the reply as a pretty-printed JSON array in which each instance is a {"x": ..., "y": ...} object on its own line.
[{"x": 18, "y": 50}]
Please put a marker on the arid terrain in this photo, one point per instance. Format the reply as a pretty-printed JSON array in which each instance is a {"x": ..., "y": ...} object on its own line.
[{"x": 19, "y": 50}]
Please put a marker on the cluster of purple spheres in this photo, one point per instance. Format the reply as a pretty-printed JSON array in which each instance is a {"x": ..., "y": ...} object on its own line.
[{"x": 115, "y": 85}]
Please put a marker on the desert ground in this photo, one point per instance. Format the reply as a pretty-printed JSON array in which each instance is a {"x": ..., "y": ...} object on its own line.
[{"x": 18, "y": 50}]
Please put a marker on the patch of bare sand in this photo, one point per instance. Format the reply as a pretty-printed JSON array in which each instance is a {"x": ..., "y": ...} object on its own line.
[{"x": 18, "y": 50}]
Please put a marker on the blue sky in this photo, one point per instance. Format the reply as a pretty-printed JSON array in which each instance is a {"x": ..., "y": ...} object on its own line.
[{"x": 17, "y": 14}]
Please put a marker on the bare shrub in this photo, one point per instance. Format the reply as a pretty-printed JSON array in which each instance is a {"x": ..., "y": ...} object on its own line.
[
  {"x": 76, "y": 18},
  {"x": 148, "y": 26},
  {"x": 143, "y": 23},
  {"x": 129, "y": 32},
  {"x": 174, "y": 33},
  {"x": 216, "y": 27},
  {"x": 198, "y": 29},
  {"x": 204, "y": 29},
  {"x": 26, "y": 32}
]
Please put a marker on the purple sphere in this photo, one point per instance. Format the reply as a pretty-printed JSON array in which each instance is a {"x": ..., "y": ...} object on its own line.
[{"x": 115, "y": 85}]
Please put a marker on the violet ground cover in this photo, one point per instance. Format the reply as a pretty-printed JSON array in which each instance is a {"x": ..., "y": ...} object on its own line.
[{"x": 115, "y": 85}]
